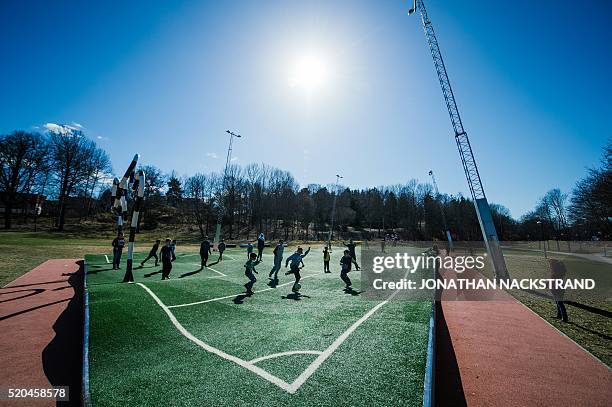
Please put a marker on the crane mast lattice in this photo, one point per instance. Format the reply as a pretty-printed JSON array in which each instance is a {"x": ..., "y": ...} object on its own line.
[{"x": 465, "y": 149}]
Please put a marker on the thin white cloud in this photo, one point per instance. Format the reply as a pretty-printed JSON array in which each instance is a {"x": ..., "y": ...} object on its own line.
[
  {"x": 211, "y": 155},
  {"x": 234, "y": 159},
  {"x": 62, "y": 128}
]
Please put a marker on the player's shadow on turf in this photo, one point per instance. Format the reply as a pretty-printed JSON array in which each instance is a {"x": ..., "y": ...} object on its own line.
[
  {"x": 239, "y": 299},
  {"x": 152, "y": 274},
  {"x": 191, "y": 273},
  {"x": 584, "y": 307},
  {"x": 600, "y": 334},
  {"x": 90, "y": 271},
  {"x": 294, "y": 296},
  {"x": 349, "y": 290}
]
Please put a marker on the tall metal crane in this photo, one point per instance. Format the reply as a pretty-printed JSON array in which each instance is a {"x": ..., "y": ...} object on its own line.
[{"x": 465, "y": 149}]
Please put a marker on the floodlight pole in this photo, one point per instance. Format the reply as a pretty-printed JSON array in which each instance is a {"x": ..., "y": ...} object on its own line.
[
  {"x": 333, "y": 214},
  {"x": 465, "y": 149},
  {"x": 446, "y": 228},
  {"x": 223, "y": 185},
  {"x": 542, "y": 237}
]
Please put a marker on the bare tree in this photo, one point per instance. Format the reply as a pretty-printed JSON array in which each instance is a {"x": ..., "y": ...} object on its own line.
[
  {"x": 22, "y": 158},
  {"x": 72, "y": 159}
]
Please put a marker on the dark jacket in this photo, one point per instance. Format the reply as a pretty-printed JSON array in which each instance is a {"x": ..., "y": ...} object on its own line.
[
  {"x": 205, "y": 247},
  {"x": 118, "y": 243},
  {"x": 166, "y": 254}
]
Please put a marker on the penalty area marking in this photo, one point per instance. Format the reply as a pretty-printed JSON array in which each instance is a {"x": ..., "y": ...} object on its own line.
[
  {"x": 107, "y": 261},
  {"x": 241, "y": 362},
  {"x": 211, "y": 269},
  {"x": 250, "y": 365}
]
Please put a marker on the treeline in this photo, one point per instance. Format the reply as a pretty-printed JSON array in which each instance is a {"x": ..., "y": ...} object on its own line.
[
  {"x": 63, "y": 163},
  {"x": 583, "y": 214},
  {"x": 259, "y": 197}
]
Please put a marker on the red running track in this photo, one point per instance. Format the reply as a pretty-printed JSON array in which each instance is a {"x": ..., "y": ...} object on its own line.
[
  {"x": 41, "y": 317},
  {"x": 503, "y": 354}
]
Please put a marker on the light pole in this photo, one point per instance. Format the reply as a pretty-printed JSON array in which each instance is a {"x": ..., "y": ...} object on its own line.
[
  {"x": 542, "y": 237},
  {"x": 333, "y": 214},
  {"x": 446, "y": 229},
  {"x": 223, "y": 185}
]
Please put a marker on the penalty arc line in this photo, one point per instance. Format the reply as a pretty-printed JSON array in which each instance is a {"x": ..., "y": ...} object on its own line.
[{"x": 281, "y": 354}]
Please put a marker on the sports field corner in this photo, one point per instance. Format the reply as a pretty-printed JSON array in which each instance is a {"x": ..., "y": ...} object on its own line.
[{"x": 198, "y": 339}]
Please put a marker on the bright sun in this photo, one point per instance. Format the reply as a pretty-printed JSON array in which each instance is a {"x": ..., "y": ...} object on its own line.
[{"x": 309, "y": 72}]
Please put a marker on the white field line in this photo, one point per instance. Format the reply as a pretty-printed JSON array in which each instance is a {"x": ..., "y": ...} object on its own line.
[
  {"x": 218, "y": 272},
  {"x": 234, "y": 295},
  {"x": 225, "y": 254},
  {"x": 107, "y": 260},
  {"x": 241, "y": 362},
  {"x": 332, "y": 348},
  {"x": 301, "y": 379},
  {"x": 211, "y": 269},
  {"x": 281, "y": 354}
]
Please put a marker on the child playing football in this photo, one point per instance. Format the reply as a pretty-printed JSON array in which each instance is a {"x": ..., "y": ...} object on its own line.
[
  {"x": 346, "y": 263},
  {"x": 249, "y": 269},
  {"x": 295, "y": 259}
]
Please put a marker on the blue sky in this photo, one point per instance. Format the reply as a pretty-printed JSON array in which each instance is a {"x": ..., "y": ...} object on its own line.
[{"x": 166, "y": 79}]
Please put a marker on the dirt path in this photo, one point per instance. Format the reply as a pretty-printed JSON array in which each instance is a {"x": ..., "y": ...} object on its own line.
[
  {"x": 506, "y": 355},
  {"x": 41, "y": 316}
]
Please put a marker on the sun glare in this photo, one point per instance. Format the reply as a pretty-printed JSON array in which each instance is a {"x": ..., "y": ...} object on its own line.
[{"x": 309, "y": 72}]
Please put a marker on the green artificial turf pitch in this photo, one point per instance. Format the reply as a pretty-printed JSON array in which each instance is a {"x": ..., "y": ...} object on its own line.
[{"x": 236, "y": 350}]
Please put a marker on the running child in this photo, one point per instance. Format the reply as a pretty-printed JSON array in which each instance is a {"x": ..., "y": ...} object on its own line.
[
  {"x": 152, "y": 253},
  {"x": 204, "y": 252},
  {"x": 326, "y": 259},
  {"x": 249, "y": 250},
  {"x": 249, "y": 269},
  {"x": 221, "y": 248},
  {"x": 351, "y": 249},
  {"x": 167, "y": 257},
  {"x": 296, "y": 259},
  {"x": 346, "y": 263},
  {"x": 278, "y": 259}
]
